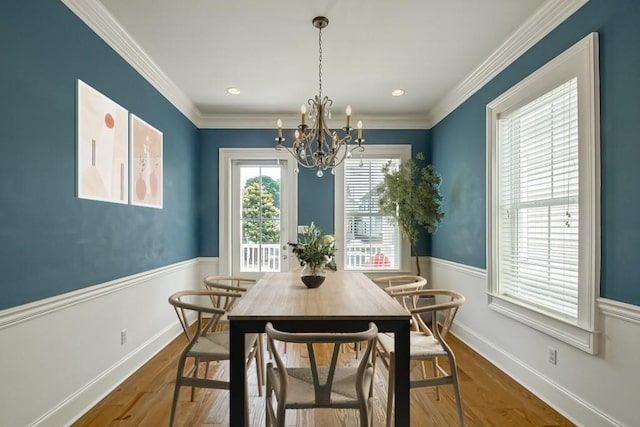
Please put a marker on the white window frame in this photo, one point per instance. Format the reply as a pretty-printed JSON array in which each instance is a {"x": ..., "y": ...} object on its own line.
[
  {"x": 581, "y": 61},
  {"x": 288, "y": 212},
  {"x": 402, "y": 151}
]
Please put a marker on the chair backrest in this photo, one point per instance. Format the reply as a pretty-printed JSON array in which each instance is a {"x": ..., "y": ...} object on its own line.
[
  {"x": 442, "y": 311},
  {"x": 394, "y": 285},
  {"x": 323, "y": 389},
  {"x": 404, "y": 283},
  {"x": 227, "y": 283},
  {"x": 195, "y": 301}
]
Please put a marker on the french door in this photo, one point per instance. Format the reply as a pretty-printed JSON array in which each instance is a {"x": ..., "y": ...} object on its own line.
[{"x": 260, "y": 214}]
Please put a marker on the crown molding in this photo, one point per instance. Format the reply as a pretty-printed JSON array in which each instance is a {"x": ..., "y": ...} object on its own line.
[
  {"x": 546, "y": 19},
  {"x": 98, "y": 18},
  {"x": 268, "y": 121}
]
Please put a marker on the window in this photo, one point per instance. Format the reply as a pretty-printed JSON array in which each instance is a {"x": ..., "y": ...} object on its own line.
[
  {"x": 366, "y": 238},
  {"x": 543, "y": 204}
]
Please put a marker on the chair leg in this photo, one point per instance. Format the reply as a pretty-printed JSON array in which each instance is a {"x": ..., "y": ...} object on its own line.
[
  {"x": 391, "y": 387},
  {"x": 267, "y": 402},
  {"x": 176, "y": 391},
  {"x": 436, "y": 373},
  {"x": 456, "y": 390},
  {"x": 260, "y": 364},
  {"x": 246, "y": 399},
  {"x": 365, "y": 420},
  {"x": 196, "y": 365}
]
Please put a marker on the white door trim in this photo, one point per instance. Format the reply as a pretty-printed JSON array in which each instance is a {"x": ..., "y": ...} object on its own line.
[{"x": 289, "y": 187}]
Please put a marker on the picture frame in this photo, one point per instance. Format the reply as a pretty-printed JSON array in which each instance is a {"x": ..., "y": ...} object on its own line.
[
  {"x": 102, "y": 147},
  {"x": 146, "y": 164}
]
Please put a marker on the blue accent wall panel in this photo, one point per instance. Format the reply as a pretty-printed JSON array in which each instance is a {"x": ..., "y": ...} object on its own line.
[
  {"x": 50, "y": 241},
  {"x": 459, "y": 147},
  {"x": 211, "y": 140},
  {"x": 315, "y": 195},
  {"x": 315, "y": 199}
]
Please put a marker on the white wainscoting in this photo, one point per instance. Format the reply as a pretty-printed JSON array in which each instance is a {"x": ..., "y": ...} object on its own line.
[
  {"x": 590, "y": 390},
  {"x": 61, "y": 355}
]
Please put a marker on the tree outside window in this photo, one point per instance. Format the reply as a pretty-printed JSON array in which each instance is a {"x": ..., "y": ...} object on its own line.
[{"x": 260, "y": 211}]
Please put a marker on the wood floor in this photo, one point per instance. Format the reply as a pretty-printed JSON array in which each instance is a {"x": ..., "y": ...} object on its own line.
[{"x": 489, "y": 398}]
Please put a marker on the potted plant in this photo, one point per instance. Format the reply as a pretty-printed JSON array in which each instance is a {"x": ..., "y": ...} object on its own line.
[
  {"x": 315, "y": 252},
  {"x": 411, "y": 196}
]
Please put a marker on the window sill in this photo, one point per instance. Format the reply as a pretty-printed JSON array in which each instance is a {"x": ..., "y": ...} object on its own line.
[{"x": 577, "y": 336}]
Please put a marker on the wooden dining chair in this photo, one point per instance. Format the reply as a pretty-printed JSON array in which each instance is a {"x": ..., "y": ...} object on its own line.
[
  {"x": 241, "y": 285},
  {"x": 319, "y": 386},
  {"x": 426, "y": 344},
  {"x": 205, "y": 343},
  {"x": 393, "y": 285},
  {"x": 227, "y": 283}
]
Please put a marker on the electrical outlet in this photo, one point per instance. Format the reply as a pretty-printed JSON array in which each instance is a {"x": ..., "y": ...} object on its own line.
[
  {"x": 123, "y": 337},
  {"x": 302, "y": 229},
  {"x": 552, "y": 355}
]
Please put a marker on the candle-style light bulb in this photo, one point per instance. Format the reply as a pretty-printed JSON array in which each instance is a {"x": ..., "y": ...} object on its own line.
[
  {"x": 348, "y": 115},
  {"x": 303, "y": 113},
  {"x": 279, "y": 124},
  {"x": 359, "y": 129}
]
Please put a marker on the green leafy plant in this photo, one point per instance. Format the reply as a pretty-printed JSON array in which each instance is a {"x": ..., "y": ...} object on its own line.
[
  {"x": 315, "y": 249},
  {"x": 259, "y": 202},
  {"x": 411, "y": 196}
]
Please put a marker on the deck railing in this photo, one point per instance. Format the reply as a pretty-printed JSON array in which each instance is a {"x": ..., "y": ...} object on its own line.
[
  {"x": 267, "y": 257},
  {"x": 264, "y": 257}
]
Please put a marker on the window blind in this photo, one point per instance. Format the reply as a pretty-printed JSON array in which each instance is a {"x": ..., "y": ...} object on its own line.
[
  {"x": 371, "y": 241},
  {"x": 538, "y": 201}
]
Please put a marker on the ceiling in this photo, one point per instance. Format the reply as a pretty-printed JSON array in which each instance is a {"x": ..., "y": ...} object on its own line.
[{"x": 269, "y": 50}]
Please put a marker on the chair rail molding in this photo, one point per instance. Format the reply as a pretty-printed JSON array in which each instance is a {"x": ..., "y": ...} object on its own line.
[
  {"x": 21, "y": 313},
  {"x": 619, "y": 310}
]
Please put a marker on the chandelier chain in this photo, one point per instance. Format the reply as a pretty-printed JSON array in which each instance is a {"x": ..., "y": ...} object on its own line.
[{"x": 320, "y": 63}]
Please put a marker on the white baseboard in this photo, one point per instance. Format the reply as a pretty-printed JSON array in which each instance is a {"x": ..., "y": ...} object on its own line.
[
  {"x": 88, "y": 396},
  {"x": 552, "y": 393},
  {"x": 586, "y": 389}
]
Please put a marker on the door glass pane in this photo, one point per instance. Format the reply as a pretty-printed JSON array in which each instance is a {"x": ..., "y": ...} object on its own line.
[{"x": 260, "y": 219}]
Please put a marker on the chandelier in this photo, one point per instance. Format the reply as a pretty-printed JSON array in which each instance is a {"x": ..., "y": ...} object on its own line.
[{"x": 316, "y": 146}]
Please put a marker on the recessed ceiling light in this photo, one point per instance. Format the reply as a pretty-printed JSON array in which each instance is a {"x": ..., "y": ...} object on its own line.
[
  {"x": 233, "y": 91},
  {"x": 397, "y": 92}
]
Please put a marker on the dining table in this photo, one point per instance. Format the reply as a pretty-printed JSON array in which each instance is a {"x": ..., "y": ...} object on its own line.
[{"x": 346, "y": 302}]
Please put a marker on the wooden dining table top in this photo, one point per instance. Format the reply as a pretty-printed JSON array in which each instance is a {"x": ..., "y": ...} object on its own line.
[
  {"x": 344, "y": 302},
  {"x": 344, "y": 295}
]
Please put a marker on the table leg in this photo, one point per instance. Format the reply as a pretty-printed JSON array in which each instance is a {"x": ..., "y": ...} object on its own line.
[
  {"x": 237, "y": 376},
  {"x": 402, "y": 376}
]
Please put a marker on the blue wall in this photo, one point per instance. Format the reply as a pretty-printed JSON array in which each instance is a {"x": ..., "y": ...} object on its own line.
[
  {"x": 459, "y": 147},
  {"x": 50, "y": 241},
  {"x": 315, "y": 195}
]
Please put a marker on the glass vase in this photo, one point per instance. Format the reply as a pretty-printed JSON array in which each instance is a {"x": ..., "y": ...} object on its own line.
[{"x": 313, "y": 275}]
